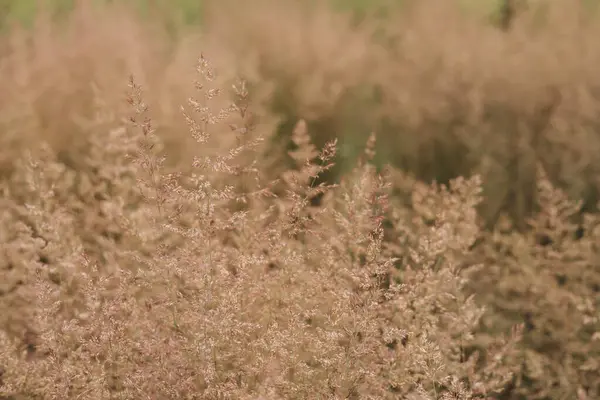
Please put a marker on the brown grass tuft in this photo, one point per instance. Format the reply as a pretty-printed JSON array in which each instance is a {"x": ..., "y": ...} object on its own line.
[{"x": 166, "y": 247}]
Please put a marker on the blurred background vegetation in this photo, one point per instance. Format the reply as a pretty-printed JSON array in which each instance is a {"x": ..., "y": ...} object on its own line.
[
  {"x": 450, "y": 115},
  {"x": 452, "y": 88}
]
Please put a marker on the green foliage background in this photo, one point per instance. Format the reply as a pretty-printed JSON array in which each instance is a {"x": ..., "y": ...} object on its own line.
[{"x": 186, "y": 12}]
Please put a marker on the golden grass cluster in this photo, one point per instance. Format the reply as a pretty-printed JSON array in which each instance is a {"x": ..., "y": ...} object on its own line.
[{"x": 190, "y": 234}]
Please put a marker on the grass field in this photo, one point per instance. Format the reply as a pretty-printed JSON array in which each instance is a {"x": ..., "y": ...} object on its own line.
[{"x": 269, "y": 200}]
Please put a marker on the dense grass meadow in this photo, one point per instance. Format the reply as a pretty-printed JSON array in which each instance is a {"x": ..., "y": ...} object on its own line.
[{"x": 293, "y": 199}]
